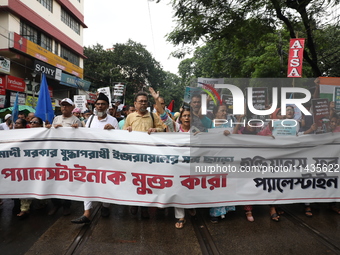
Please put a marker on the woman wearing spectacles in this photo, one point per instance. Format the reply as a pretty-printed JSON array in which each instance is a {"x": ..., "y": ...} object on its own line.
[{"x": 36, "y": 122}]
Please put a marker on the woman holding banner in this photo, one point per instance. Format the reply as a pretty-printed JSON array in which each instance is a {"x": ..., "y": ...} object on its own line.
[
  {"x": 182, "y": 126},
  {"x": 24, "y": 203}
]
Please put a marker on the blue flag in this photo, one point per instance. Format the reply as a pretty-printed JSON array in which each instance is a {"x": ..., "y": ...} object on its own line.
[
  {"x": 15, "y": 110},
  {"x": 44, "y": 109}
]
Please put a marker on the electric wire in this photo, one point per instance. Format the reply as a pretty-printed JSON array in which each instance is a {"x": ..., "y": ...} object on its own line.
[{"x": 152, "y": 34}]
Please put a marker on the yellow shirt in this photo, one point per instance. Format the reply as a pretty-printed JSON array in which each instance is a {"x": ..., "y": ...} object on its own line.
[{"x": 143, "y": 122}]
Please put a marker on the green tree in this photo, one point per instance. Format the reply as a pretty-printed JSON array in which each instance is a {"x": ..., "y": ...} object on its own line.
[
  {"x": 172, "y": 89},
  {"x": 129, "y": 63},
  {"x": 328, "y": 48},
  {"x": 243, "y": 21}
]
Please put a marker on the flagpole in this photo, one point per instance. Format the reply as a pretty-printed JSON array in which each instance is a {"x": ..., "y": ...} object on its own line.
[{"x": 15, "y": 110}]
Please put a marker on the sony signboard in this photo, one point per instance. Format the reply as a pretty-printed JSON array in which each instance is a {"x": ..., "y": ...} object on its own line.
[{"x": 50, "y": 71}]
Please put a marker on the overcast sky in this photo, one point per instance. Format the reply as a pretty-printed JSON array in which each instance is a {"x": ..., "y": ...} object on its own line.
[{"x": 116, "y": 21}]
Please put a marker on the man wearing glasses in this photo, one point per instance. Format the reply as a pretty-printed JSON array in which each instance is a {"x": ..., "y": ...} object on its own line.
[
  {"x": 67, "y": 119},
  {"x": 144, "y": 121},
  {"x": 100, "y": 120}
]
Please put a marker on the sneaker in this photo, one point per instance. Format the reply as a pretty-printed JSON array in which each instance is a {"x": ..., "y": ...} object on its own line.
[{"x": 105, "y": 211}]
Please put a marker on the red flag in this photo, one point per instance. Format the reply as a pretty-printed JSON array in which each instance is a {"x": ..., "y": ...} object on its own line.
[
  {"x": 295, "y": 57},
  {"x": 171, "y": 105}
]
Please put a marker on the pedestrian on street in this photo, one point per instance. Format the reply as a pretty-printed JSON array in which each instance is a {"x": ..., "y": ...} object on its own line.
[
  {"x": 144, "y": 121},
  {"x": 101, "y": 120}
]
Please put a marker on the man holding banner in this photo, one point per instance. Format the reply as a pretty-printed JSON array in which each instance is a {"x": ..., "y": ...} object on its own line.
[
  {"x": 101, "y": 120},
  {"x": 67, "y": 119},
  {"x": 144, "y": 121}
]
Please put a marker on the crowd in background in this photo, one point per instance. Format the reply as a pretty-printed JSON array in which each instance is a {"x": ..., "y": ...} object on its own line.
[{"x": 155, "y": 117}]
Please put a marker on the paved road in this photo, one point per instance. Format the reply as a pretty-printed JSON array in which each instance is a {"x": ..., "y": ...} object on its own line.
[{"x": 123, "y": 233}]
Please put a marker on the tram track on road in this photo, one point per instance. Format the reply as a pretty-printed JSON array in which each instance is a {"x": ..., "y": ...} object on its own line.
[
  {"x": 207, "y": 244},
  {"x": 85, "y": 232},
  {"x": 206, "y": 241},
  {"x": 210, "y": 247},
  {"x": 335, "y": 247}
]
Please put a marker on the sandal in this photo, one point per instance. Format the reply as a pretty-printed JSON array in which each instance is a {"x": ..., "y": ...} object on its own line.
[
  {"x": 308, "y": 211},
  {"x": 275, "y": 217},
  {"x": 23, "y": 215},
  {"x": 180, "y": 223},
  {"x": 249, "y": 216}
]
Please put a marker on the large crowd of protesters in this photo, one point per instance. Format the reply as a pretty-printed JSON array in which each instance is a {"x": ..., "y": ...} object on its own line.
[{"x": 142, "y": 116}]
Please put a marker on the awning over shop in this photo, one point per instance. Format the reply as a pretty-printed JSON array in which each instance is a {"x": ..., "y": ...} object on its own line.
[{"x": 74, "y": 82}]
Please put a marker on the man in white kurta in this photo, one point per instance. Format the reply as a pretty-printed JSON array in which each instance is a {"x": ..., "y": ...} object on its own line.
[{"x": 100, "y": 120}]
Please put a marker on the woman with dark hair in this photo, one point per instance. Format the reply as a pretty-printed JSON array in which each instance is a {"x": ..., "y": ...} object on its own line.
[
  {"x": 183, "y": 125},
  {"x": 36, "y": 122},
  {"x": 222, "y": 119},
  {"x": 20, "y": 123}
]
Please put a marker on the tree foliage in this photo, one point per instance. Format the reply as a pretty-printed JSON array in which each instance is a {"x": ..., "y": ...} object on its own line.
[
  {"x": 242, "y": 27},
  {"x": 128, "y": 63},
  {"x": 172, "y": 89}
]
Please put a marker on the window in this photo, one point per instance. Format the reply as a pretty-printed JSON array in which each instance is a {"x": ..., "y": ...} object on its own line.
[
  {"x": 48, "y": 4},
  {"x": 69, "y": 56},
  {"x": 56, "y": 48},
  {"x": 71, "y": 22},
  {"x": 28, "y": 32},
  {"x": 35, "y": 36},
  {"x": 46, "y": 42}
]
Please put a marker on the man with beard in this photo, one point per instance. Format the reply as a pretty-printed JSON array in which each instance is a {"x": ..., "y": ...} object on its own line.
[
  {"x": 198, "y": 120},
  {"x": 144, "y": 121},
  {"x": 100, "y": 120}
]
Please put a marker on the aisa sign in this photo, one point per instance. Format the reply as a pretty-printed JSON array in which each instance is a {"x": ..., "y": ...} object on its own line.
[{"x": 238, "y": 100}]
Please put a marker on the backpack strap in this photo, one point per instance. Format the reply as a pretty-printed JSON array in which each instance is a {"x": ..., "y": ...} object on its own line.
[
  {"x": 92, "y": 116},
  {"x": 153, "y": 120}
]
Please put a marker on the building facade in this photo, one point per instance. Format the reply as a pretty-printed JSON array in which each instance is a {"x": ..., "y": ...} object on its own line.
[{"x": 41, "y": 36}]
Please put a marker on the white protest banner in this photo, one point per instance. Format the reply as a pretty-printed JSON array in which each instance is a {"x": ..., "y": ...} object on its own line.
[
  {"x": 168, "y": 169},
  {"x": 285, "y": 127},
  {"x": 80, "y": 102},
  {"x": 119, "y": 93},
  {"x": 105, "y": 91}
]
